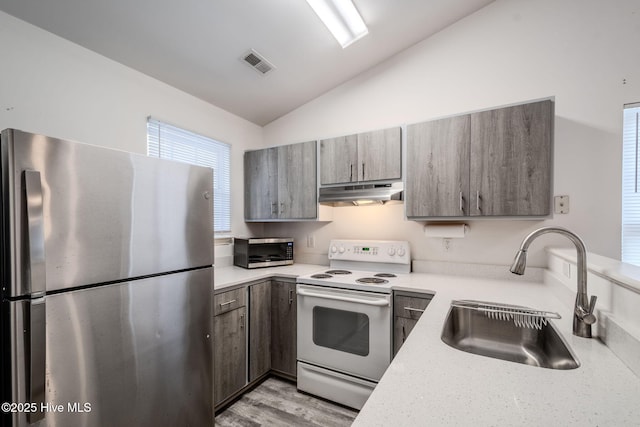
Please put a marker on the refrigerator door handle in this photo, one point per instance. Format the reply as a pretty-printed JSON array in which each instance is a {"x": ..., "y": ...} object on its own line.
[
  {"x": 35, "y": 233},
  {"x": 36, "y": 357},
  {"x": 37, "y": 332}
]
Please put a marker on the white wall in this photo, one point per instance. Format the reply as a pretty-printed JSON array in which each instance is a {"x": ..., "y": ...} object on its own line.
[
  {"x": 53, "y": 87},
  {"x": 579, "y": 51}
]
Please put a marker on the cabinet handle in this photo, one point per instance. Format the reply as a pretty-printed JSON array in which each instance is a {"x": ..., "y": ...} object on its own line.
[
  {"x": 363, "y": 171},
  {"x": 404, "y": 335},
  {"x": 242, "y": 321},
  {"x": 274, "y": 208},
  {"x": 461, "y": 202},
  {"x": 290, "y": 296},
  {"x": 417, "y": 310},
  {"x": 222, "y": 304},
  {"x": 478, "y": 201},
  {"x": 281, "y": 208},
  {"x": 350, "y": 172}
]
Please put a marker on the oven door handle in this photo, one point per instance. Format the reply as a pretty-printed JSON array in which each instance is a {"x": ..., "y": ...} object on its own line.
[{"x": 377, "y": 302}]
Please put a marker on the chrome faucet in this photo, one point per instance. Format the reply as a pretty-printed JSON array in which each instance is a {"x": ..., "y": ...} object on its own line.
[{"x": 583, "y": 316}]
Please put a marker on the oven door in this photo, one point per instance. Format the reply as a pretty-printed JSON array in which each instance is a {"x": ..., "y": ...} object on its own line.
[{"x": 344, "y": 330}]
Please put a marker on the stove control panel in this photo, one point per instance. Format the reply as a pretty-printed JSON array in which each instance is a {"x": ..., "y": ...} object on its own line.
[{"x": 386, "y": 251}]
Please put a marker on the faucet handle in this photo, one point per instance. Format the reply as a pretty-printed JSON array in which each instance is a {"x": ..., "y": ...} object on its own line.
[{"x": 589, "y": 318}]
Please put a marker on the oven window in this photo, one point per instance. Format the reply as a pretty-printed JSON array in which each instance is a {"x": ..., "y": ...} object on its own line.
[{"x": 341, "y": 330}]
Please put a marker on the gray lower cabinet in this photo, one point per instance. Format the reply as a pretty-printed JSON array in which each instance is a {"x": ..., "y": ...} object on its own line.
[
  {"x": 407, "y": 309},
  {"x": 230, "y": 354},
  {"x": 363, "y": 157},
  {"x": 281, "y": 183},
  {"x": 494, "y": 163},
  {"x": 253, "y": 337},
  {"x": 259, "y": 329},
  {"x": 284, "y": 328}
]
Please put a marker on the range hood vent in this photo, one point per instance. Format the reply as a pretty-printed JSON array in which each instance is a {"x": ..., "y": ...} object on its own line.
[
  {"x": 257, "y": 62},
  {"x": 358, "y": 195}
]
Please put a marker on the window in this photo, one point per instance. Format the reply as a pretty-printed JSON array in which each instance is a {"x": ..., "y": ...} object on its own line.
[
  {"x": 631, "y": 185},
  {"x": 169, "y": 142}
]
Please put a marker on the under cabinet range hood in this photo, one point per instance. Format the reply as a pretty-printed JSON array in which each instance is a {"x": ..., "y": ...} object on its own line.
[{"x": 358, "y": 195}]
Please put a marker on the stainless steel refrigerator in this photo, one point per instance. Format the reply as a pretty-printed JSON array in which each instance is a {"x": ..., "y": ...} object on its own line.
[{"x": 107, "y": 284}]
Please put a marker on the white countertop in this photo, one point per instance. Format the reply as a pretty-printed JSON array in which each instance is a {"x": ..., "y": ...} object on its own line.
[
  {"x": 227, "y": 277},
  {"x": 430, "y": 383}
]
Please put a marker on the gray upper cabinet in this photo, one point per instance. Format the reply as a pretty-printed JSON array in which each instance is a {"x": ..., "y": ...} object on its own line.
[
  {"x": 297, "y": 181},
  {"x": 511, "y": 160},
  {"x": 367, "y": 156},
  {"x": 261, "y": 183},
  {"x": 438, "y": 168},
  {"x": 280, "y": 183},
  {"x": 338, "y": 158},
  {"x": 380, "y": 155},
  {"x": 493, "y": 163}
]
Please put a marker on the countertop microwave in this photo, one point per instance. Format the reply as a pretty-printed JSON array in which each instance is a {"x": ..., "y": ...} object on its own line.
[{"x": 262, "y": 252}]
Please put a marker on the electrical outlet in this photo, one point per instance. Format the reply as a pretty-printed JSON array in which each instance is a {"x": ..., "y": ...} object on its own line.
[
  {"x": 561, "y": 204},
  {"x": 446, "y": 245}
]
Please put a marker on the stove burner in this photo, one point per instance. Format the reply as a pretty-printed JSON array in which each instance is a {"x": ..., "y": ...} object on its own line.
[
  {"x": 372, "y": 280},
  {"x": 385, "y": 275},
  {"x": 321, "y": 276},
  {"x": 338, "y": 272}
]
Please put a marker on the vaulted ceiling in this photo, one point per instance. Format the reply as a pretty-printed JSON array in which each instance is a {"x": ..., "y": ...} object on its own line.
[{"x": 197, "y": 45}]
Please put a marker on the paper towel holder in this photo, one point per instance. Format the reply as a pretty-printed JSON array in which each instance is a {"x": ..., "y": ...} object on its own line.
[{"x": 446, "y": 230}]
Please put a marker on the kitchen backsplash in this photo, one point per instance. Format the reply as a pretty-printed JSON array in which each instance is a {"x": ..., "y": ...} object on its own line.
[{"x": 618, "y": 324}]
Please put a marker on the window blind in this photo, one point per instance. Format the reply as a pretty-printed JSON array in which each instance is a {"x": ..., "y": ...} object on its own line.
[
  {"x": 170, "y": 142},
  {"x": 631, "y": 185}
]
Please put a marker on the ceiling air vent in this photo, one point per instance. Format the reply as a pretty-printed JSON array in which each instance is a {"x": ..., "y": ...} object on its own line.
[{"x": 257, "y": 62}]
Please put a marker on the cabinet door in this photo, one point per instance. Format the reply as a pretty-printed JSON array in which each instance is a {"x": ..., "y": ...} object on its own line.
[
  {"x": 261, "y": 184},
  {"x": 297, "y": 185},
  {"x": 230, "y": 354},
  {"x": 283, "y": 327},
  {"x": 339, "y": 160},
  {"x": 407, "y": 309},
  {"x": 511, "y": 160},
  {"x": 438, "y": 168},
  {"x": 379, "y": 155},
  {"x": 402, "y": 327},
  {"x": 259, "y": 329}
]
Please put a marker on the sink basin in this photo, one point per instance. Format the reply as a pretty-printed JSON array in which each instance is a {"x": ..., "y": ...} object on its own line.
[{"x": 473, "y": 331}]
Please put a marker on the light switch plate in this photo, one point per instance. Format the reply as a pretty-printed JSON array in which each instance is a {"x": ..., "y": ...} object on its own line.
[
  {"x": 561, "y": 204},
  {"x": 311, "y": 241}
]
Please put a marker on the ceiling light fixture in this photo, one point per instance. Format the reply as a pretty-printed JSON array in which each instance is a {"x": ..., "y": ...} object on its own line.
[{"x": 341, "y": 18}]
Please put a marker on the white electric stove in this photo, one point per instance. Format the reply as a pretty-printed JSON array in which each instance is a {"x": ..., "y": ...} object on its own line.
[
  {"x": 366, "y": 265},
  {"x": 344, "y": 319}
]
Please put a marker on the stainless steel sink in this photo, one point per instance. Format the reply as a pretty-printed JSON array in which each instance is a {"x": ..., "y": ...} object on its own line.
[{"x": 494, "y": 335}]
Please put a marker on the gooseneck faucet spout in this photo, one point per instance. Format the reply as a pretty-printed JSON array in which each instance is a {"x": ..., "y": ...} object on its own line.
[{"x": 583, "y": 316}]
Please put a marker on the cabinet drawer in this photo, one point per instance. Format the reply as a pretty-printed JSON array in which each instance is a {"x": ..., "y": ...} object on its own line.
[
  {"x": 409, "y": 307},
  {"x": 228, "y": 301}
]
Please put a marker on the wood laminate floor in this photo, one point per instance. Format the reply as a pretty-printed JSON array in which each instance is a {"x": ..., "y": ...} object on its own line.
[{"x": 277, "y": 403}]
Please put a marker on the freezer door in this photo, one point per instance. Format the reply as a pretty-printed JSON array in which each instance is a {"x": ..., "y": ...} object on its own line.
[
  {"x": 107, "y": 215},
  {"x": 131, "y": 354}
]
